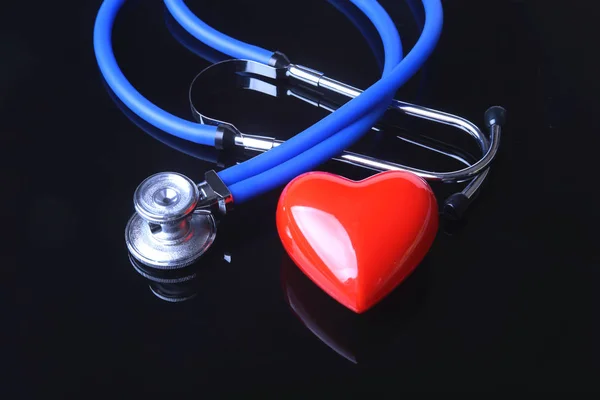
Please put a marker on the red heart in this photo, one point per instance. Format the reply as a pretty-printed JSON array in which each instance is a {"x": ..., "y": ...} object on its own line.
[{"x": 357, "y": 240}]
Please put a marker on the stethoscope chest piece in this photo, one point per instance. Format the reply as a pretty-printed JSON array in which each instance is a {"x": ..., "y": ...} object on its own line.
[{"x": 168, "y": 231}]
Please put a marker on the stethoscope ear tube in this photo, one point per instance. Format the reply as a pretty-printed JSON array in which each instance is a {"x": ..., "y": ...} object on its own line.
[
  {"x": 456, "y": 205},
  {"x": 495, "y": 116}
]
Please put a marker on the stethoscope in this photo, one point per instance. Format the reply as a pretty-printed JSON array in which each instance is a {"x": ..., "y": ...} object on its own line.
[{"x": 175, "y": 222}]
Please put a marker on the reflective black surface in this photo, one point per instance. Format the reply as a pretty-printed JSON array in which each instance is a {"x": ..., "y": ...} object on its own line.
[{"x": 506, "y": 300}]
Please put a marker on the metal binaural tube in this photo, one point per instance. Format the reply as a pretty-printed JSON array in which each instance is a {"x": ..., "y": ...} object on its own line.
[
  {"x": 322, "y": 81},
  {"x": 476, "y": 172},
  {"x": 313, "y": 86},
  {"x": 261, "y": 144}
]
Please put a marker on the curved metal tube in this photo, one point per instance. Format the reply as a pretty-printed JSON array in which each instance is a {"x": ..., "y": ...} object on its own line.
[
  {"x": 489, "y": 148},
  {"x": 249, "y": 73}
]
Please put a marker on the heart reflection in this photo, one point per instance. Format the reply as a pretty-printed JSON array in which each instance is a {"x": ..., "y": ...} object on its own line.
[{"x": 356, "y": 337}]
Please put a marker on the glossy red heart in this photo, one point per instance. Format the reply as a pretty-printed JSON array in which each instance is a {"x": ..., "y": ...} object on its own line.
[{"x": 357, "y": 240}]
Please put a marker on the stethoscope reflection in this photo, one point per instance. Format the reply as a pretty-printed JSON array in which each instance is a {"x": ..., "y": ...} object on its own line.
[
  {"x": 180, "y": 284},
  {"x": 192, "y": 44},
  {"x": 352, "y": 14},
  {"x": 203, "y": 153},
  {"x": 357, "y": 338},
  {"x": 357, "y": 18},
  {"x": 171, "y": 286}
]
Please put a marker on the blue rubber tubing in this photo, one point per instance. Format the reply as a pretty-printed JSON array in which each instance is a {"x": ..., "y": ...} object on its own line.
[
  {"x": 328, "y": 126},
  {"x": 143, "y": 108},
  {"x": 270, "y": 179},
  {"x": 197, "y": 133}
]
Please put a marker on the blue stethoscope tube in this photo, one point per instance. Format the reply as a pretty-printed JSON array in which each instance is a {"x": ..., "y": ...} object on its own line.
[
  {"x": 323, "y": 140},
  {"x": 142, "y": 107},
  {"x": 236, "y": 49}
]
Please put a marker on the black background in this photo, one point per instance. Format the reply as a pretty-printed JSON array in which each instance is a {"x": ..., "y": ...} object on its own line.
[{"x": 506, "y": 301}]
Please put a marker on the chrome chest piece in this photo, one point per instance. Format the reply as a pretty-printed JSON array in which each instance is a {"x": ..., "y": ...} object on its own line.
[{"x": 173, "y": 224}]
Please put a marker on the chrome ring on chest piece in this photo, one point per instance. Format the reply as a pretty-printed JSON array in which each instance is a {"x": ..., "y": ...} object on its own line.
[{"x": 174, "y": 225}]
